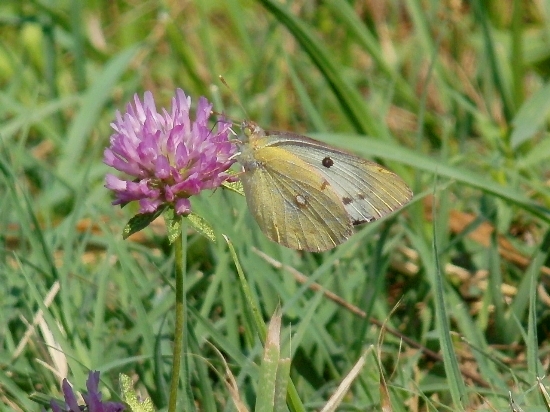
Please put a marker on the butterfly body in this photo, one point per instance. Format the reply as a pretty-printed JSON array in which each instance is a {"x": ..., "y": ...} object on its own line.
[{"x": 307, "y": 195}]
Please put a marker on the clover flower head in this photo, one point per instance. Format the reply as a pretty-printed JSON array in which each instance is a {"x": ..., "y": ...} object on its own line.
[
  {"x": 167, "y": 156},
  {"x": 92, "y": 400}
]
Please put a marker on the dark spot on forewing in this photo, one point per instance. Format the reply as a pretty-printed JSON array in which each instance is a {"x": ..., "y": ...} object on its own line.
[
  {"x": 361, "y": 196},
  {"x": 327, "y": 162},
  {"x": 347, "y": 200},
  {"x": 324, "y": 185},
  {"x": 361, "y": 221}
]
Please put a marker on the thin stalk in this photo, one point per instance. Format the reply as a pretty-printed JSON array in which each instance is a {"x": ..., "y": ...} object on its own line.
[{"x": 180, "y": 327}]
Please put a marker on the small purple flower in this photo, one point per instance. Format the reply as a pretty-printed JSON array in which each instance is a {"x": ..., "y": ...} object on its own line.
[
  {"x": 167, "y": 156},
  {"x": 92, "y": 399}
]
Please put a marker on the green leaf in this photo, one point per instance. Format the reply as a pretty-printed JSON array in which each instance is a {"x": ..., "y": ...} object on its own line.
[
  {"x": 236, "y": 187},
  {"x": 202, "y": 226},
  {"x": 140, "y": 222},
  {"x": 130, "y": 397}
]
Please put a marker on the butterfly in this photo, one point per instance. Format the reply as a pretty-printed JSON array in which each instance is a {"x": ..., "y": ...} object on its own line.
[{"x": 307, "y": 195}]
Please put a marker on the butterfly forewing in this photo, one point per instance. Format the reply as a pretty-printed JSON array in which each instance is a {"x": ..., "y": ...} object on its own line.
[
  {"x": 367, "y": 190},
  {"x": 292, "y": 202}
]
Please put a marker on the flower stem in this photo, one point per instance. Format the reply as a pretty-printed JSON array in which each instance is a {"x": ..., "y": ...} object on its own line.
[{"x": 181, "y": 324}]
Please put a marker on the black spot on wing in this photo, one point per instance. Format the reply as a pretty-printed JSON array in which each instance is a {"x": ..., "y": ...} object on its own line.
[
  {"x": 361, "y": 221},
  {"x": 327, "y": 162}
]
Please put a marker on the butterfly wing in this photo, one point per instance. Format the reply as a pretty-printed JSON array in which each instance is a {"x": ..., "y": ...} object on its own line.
[
  {"x": 292, "y": 202},
  {"x": 367, "y": 190}
]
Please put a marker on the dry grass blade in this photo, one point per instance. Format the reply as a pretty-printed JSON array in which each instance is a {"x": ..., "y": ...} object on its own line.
[{"x": 345, "y": 385}]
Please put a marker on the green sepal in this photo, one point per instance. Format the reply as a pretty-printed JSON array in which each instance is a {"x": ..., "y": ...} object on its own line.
[
  {"x": 236, "y": 187},
  {"x": 202, "y": 226},
  {"x": 198, "y": 223},
  {"x": 140, "y": 221}
]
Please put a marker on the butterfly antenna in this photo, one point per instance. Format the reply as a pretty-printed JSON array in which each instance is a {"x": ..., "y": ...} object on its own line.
[{"x": 234, "y": 96}]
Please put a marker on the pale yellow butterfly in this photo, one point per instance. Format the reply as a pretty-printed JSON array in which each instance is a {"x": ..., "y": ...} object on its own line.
[{"x": 307, "y": 195}]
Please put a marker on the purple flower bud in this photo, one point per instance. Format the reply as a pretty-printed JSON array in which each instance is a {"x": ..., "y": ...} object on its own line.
[{"x": 92, "y": 399}]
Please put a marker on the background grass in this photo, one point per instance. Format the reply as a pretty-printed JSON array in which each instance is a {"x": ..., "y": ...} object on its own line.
[{"x": 451, "y": 95}]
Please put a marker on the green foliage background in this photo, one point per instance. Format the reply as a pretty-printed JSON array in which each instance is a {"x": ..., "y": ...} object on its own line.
[{"x": 452, "y": 95}]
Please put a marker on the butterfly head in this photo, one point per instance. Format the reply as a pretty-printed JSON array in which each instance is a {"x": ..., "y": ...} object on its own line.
[{"x": 251, "y": 131}]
